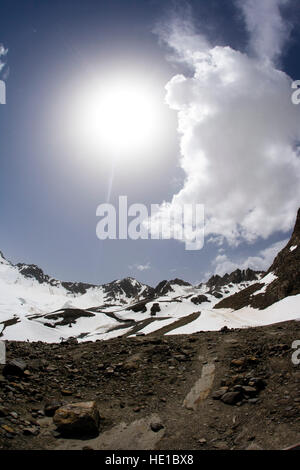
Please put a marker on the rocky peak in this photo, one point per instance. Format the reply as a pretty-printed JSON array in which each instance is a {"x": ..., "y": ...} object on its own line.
[
  {"x": 130, "y": 286},
  {"x": 33, "y": 271},
  {"x": 3, "y": 260},
  {"x": 236, "y": 277},
  {"x": 179, "y": 282},
  {"x": 285, "y": 267},
  {"x": 296, "y": 232},
  {"x": 163, "y": 288},
  {"x": 288, "y": 258}
]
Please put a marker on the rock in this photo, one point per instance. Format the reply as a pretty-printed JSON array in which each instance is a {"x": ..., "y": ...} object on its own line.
[
  {"x": 66, "y": 392},
  {"x": 238, "y": 362},
  {"x": 77, "y": 419},
  {"x": 217, "y": 394},
  {"x": 3, "y": 411},
  {"x": 51, "y": 407},
  {"x": 15, "y": 367},
  {"x": 247, "y": 390},
  {"x": 231, "y": 398},
  {"x": 180, "y": 357},
  {"x": 198, "y": 299},
  {"x": 224, "y": 329},
  {"x": 237, "y": 388},
  {"x": 31, "y": 431},
  {"x": 132, "y": 363},
  {"x": 156, "y": 425},
  {"x": 258, "y": 383},
  {"x": 154, "y": 309},
  {"x": 202, "y": 440},
  {"x": 8, "y": 429}
]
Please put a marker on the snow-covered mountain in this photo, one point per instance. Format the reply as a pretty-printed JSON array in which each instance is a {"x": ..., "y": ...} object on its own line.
[
  {"x": 28, "y": 296},
  {"x": 34, "y": 306}
]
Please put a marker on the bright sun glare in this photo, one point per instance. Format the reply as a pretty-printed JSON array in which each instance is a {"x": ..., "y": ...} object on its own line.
[{"x": 119, "y": 117}]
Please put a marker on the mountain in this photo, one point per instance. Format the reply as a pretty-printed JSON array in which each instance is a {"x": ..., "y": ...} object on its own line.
[
  {"x": 35, "y": 306},
  {"x": 281, "y": 280},
  {"x": 164, "y": 287},
  {"x": 236, "y": 277},
  {"x": 28, "y": 298}
]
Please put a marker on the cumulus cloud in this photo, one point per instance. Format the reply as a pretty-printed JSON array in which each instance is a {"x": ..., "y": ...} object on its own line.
[
  {"x": 180, "y": 35},
  {"x": 238, "y": 138},
  {"x": 222, "y": 264},
  {"x": 268, "y": 31}
]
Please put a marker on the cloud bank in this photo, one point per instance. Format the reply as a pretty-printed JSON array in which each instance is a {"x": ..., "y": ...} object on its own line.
[{"x": 238, "y": 129}]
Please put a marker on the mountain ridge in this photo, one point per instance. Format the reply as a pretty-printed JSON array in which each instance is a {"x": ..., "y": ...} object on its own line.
[{"x": 34, "y": 306}]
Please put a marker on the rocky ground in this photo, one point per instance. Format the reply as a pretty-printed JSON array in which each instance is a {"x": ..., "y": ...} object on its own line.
[{"x": 233, "y": 389}]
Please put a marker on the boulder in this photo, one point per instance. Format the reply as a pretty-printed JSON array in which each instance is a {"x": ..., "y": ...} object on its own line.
[
  {"x": 217, "y": 395},
  {"x": 77, "y": 419},
  {"x": 156, "y": 425},
  {"x": 231, "y": 398},
  {"x": 15, "y": 367}
]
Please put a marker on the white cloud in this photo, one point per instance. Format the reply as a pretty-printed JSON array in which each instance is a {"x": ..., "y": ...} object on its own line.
[
  {"x": 222, "y": 264},
  {"x": 268, "y": 31},
  {"x": 180, "y": 35},
  {"x": 141, "y": 267},
  {"x": 3, "y": 52},
  {"x": 237, "y": 128}
]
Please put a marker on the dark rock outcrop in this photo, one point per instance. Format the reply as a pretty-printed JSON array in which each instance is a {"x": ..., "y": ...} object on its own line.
[
  {"x": 198, "y": 299},
  {"x": 154, "y": 309},
  {"x": 236, "y": 277},
  {"x": 286, "y": 268},
  {"x": 129, "y": 286},
  {"x": 164, "y": 287}
]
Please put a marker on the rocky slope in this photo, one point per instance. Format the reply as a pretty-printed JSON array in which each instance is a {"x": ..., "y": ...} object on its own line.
[
  {"x": 282, "y": 279},
  {"x": 234, "y": 389}
]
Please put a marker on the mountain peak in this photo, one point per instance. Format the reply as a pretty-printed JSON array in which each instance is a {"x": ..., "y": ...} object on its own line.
[
  {"x": 236, "y": 277},
  {"x": 3, "y": 260}
]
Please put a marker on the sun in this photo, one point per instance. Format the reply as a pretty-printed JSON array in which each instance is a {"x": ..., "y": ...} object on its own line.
[{"x": 119, "y": 117}]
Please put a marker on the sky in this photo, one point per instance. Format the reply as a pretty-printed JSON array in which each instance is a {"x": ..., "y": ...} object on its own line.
[{"x": 208, "y": 119}]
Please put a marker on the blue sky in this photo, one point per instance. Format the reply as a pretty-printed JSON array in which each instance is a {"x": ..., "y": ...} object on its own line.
[{"x": 50, "y": 186}]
